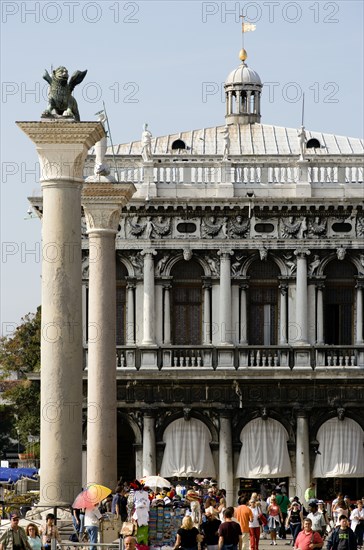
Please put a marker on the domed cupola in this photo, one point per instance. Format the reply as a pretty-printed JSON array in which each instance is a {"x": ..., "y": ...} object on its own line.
[{"x": 242, "y": 93}]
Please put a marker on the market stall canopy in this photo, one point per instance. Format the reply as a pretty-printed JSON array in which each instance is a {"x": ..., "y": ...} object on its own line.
[{"x": 12, "y": 475}]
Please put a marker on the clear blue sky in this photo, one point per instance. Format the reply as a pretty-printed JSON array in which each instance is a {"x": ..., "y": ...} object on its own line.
[{"x": 163, "y": 63}]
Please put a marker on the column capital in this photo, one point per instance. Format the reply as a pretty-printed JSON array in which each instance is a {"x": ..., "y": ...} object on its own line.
[
  {"x": 225, "y": 414},
  {"x": 206, "y": 282},
  {"x": 302, "y": 252},
  {"x": 102, "y": 218},
  {"x": 320, "y": 282},
  {"x": 148, "y": 252},
  {"x": 130, "y": 283},
  {"x": 225, "y": 253},
  {"x": 62, "y": 148},
  {"x": 359, "y": 282},
  {"x": 149, "y": 413},
  {"x": 301, "y": 413}
]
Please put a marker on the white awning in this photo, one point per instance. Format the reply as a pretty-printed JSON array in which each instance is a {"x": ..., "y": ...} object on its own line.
[
  {"x": 341, "y": 447},
  {"x": 264, "y": 450},
  {"x": 187, "y": 452}
]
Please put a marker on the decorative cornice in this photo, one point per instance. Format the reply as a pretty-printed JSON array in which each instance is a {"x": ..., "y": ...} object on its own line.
[{"x": 119, "y": 193}]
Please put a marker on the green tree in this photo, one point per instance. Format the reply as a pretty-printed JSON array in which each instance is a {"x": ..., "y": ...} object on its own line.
[{"x": 20, "y": 355}]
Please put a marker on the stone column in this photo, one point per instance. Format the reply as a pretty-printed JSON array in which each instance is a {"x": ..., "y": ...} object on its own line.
[
  {"x": 149, "y": 299},
  {"x": 130, "y": 318},
  {"x": 226, "y": 475},
  {"x": 225, "y": 297},
  {"x": 283, "y": 287},
  {"x": 102, "y": 223},
  {"x": 302, "y": 455},
  {"x": 359, "y": 311},
  {"x": 320, "y": 313},
  {"x": 62, "y": 148},
  {"x": 243, "y": 314},
  {"x": 301, "y": 295},
  {"x": 167, "y": 312},
  {"x": 206, "y": 285},
  {"x": 149, "y": 449}
]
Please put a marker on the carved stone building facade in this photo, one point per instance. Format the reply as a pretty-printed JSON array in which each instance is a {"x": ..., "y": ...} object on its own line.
[{"x": 236, "y": 294}]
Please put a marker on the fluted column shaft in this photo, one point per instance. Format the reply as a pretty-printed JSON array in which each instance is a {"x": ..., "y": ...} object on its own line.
[
  {"x": 301, "y": 295},
  {"x": 302, "y": 456},
  {"x": 62, "y": 149},
  {"x": 225, "y": 297},
  {"x": 226, "y": 478},
  {"x": 320, "y": 313},
  {"x": 149, "y": 448},
  {"x": 167, "y": 313},
  {"x": 283, "y": 314},
  {"x": 359, "y": 311},
  {"x": 130, "y": 319},
  {"x": 206, "y": 312},
  {"x": 243, "y": 314},
  {"x": 149, "y": 298}
]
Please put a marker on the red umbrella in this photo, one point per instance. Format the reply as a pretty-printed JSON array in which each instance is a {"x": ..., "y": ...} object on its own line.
[{"x": 92, "y": 495}]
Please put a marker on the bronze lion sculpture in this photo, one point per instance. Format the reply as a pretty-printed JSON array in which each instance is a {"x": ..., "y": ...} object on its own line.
[{"x": 61, "y": 103}]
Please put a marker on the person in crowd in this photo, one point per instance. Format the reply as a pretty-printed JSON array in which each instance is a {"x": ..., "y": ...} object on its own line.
[
  {"x": 14, "y": 537},
  {"x": 264, "y": 509},
  {"x": 118, "y": 505},
  {"x": 210, "y": 530},
  {"x": 339, "y": 509},
  {"x": 130, "y": 543},
  {"x": 188, "y": 536},
  {"x": 308, "y": 539},
  {"x": 283, "y": 502},
  {"x": 222, "y": 507},
  {"x": 33, "y": 536},
  {"x": 357, "y": 522},
  {"x": 254, "y": 527},
  {"x": 49, "y": 531},
  {"x": 318, "y": 520},
  {"x": 321, "y": 508},
  {"x": 230, "y": 535},
  {"x": 342, "y": 537},
  {"x": 294, "y": 521},
  {"x": 92, "y": 522},
  {"x": 78, "y": 520},
  {"x": 244, "y": 514},
  {"x": 310, "y": 492},
  {"x": 274, "y": 519}
]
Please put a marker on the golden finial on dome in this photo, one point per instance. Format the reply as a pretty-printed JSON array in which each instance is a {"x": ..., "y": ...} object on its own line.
[{"x": 243, "y": 55}]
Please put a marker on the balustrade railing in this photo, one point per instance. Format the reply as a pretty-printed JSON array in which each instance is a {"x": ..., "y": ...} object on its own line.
[{"x": 252, "y": 357}]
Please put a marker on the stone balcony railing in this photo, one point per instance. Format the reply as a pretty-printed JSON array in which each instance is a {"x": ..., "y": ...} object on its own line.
[
  {"x": 174, "y": 170},
  {"x": 255, "y": 358}
]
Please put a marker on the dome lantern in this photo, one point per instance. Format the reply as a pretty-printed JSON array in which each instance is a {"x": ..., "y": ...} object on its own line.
[{"x": 243, "y": 89}]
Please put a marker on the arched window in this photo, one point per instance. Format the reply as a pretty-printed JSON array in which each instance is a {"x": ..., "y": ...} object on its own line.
[
  {"x": 187, "y": 303},
  {"x": 313, "y": 143},
  {"x": 339, "y": 303},
  {"x": 263, "y": 303},
  {"x": 178, "y": 144},
  {"x": 121, "y": 273}
]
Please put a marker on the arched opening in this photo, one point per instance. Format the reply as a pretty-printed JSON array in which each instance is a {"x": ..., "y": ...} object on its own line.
[
  {"x": 121, "y": 273},
  {"x": 339, "y": 303},
  {"x": 313, "y": 143},
  {"x": 263, "y": 303},
  {"x": 178, "y": 144},
  {"x": 187, "y": 450},
  {"x": 187, "y": 303},
  {"x": 125, "y": 449},
  {"x": 342, "y": 470},
  {"x": 264, "y": 451}
]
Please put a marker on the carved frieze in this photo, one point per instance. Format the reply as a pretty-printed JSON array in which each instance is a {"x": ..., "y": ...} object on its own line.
[{"x": 149, "y": 227}]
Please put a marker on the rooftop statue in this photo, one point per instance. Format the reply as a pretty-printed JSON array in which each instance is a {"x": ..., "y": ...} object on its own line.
[{"x": 61, "y": 103}]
